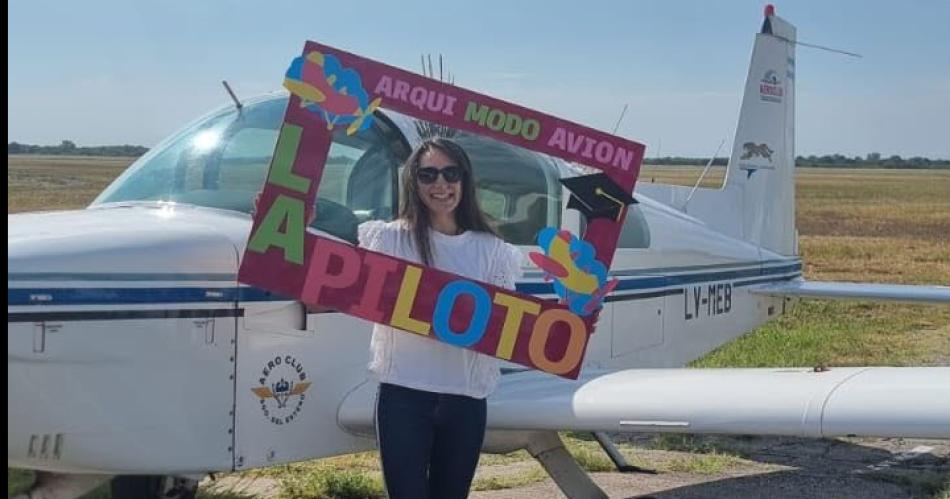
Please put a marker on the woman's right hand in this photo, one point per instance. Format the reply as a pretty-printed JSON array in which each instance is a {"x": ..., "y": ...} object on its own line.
[{"x": 257, "y": 199}]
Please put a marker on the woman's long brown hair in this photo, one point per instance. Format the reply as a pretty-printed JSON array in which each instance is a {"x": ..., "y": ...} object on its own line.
[{"x": 468, "y": 215}]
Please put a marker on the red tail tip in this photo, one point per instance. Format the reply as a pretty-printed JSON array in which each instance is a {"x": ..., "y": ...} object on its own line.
[{"x": 769, "y": 10}]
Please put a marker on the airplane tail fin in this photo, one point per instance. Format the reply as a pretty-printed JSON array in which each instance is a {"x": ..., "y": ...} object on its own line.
[
  {"x": 757, "y": 201},
  {"x": 761, "y": 167}
]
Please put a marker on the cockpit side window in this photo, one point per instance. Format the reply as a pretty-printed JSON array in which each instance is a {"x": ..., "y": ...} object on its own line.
[
  {"x": 517, "y": 189},
  {"x": 221, "y": 162},
  {"x": 635, "y": 232}
]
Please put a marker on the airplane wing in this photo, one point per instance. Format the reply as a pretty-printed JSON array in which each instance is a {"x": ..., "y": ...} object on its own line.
[
  {"x": 864, "y": 401},
  {"x": 851, "y": 290},
  {"x": 860, "y": 401}
]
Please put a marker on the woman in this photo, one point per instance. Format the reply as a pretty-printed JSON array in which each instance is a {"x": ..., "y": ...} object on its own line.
[{"x": 430, "y": 409}]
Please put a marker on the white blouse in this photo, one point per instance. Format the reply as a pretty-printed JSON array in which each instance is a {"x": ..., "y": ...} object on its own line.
[{"x": 414, "y": 361}]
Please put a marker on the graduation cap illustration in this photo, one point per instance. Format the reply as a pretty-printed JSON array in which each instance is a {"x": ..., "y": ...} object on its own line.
[{"x": 597, "y": 196}]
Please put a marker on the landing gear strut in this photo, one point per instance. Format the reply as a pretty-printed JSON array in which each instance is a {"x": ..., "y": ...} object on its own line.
[
  {"x": 619, "y": 461},
  {"x": 573, "y": 481}
]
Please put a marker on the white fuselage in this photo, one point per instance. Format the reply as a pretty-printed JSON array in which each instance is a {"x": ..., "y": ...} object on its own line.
[{"x": 133, "y": 349}]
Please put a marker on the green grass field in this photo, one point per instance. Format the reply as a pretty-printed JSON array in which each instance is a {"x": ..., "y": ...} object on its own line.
[{"x": 855, "y": 225}]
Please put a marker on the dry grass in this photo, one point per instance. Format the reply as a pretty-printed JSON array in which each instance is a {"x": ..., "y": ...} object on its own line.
[
  {"x": 900, "y": 260},
  {"x": 912, "y": 205},
  {"x": 37, "y": 183},
  {"x": 683, "y": 175}
]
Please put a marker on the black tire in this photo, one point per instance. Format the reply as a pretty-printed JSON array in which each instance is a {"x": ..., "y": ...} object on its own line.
[
  {"x": 152, "y": 487},
  {"x": 132, "y": 486}
]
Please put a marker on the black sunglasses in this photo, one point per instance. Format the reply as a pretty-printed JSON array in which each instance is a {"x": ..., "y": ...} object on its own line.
[{"x": 429, "y": 174}]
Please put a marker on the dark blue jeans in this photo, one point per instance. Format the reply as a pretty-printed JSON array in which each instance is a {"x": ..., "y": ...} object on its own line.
[{"x": 429, "y": 442}]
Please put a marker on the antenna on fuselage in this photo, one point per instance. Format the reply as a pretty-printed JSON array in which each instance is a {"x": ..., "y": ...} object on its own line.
[
  {"x": 620, "y": 119},
  {"x": 237, "y": 103},
  {"x": 702, "y": 175},
  {"x": 767, "y": 29},
  {"x": 829, "y": 49}
]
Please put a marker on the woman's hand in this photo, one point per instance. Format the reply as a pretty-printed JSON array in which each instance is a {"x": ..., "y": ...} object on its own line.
[{"x": 257, "y": 199}]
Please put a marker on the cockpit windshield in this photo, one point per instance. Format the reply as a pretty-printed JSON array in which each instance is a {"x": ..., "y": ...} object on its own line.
[{"x": 221, "y": 162}]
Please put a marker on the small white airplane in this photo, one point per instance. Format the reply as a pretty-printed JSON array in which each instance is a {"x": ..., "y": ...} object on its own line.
[{"x": 134, "y": 353}]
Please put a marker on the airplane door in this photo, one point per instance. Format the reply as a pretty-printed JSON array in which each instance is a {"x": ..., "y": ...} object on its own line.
[
  {"x": 638, "y": 303},
  {"x": 293, "y": 372},
  {"x": 637, "y": 324}
]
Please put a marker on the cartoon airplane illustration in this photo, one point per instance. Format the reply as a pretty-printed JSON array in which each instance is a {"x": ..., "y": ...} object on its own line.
[
  {"x": 336, "y": 93},
  {"x": 581, "y": 281}
]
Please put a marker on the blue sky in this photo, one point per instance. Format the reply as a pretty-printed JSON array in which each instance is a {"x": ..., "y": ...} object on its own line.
[{"x": 118, "y": 71}]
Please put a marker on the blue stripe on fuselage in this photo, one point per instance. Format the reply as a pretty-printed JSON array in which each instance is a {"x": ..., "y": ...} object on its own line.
[
  {"x": 142, "y": 295},
  {"x": 642, "y": 283}
]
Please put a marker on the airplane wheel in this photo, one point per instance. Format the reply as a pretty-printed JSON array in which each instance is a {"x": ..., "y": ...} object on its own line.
[{"x": 152, "y": 487}]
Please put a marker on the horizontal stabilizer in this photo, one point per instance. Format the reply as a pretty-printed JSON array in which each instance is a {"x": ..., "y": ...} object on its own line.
[{"x": 857, "y": 291}]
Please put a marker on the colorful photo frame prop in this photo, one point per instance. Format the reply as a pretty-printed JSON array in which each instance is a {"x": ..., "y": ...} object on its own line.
[{"x": 331, "y": 88}]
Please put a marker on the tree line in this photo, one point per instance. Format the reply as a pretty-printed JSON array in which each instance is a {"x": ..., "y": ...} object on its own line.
[
  {"x": 872, "y": 160},
  {"x": 69, "y": 148}
]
